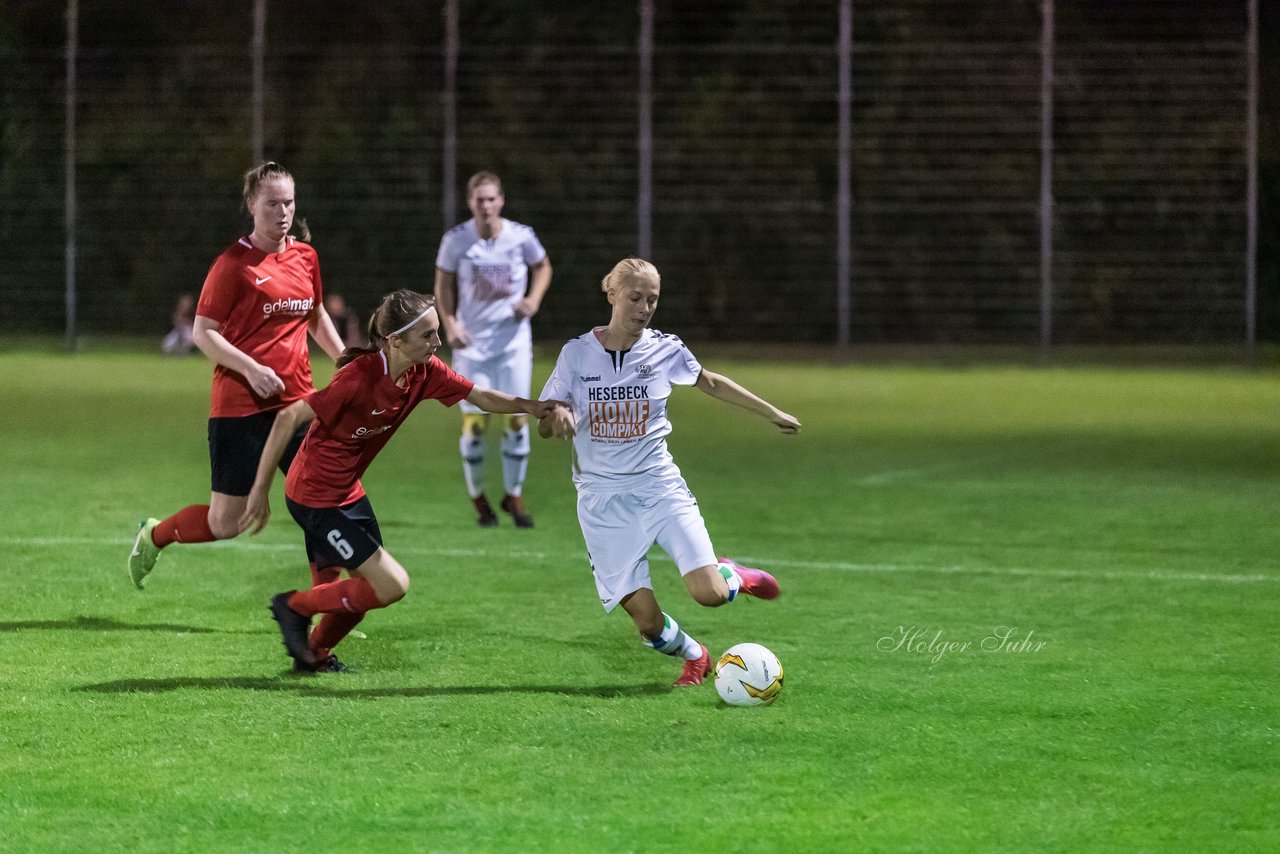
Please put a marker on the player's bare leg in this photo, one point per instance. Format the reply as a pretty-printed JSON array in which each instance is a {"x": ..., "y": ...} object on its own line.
[
  {"x": 664, "y": 634},
  {"x": 197, "y": 523},
  {"x": 708, "y": 586},
  {"x": 224, "y": 514}
]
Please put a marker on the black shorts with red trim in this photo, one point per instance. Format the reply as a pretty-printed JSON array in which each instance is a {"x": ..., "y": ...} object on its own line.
[{"x": 344, "y": 536}]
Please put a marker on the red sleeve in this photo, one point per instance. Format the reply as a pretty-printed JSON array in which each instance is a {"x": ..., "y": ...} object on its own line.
[
  {"x": 327, "y": 403},
  {"x": 221, "y": 290},
  {"x": 444, "y": 385}
]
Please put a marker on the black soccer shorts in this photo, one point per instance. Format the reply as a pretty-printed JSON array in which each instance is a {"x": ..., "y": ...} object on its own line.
[
  {"x": 235, "y": 447},
  {"x": 338, "y": 536}
]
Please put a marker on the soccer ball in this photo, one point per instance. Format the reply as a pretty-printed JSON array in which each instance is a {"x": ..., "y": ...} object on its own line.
[{"x": 748, "y": 675}]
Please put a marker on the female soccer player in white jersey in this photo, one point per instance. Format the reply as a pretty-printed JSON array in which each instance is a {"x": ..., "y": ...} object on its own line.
[
  {"x": 352, "y": 418},
  {"x": 491, "y": 276},
  {"x": 261, "y": 298},
  {"x": 616, "y": 380}
]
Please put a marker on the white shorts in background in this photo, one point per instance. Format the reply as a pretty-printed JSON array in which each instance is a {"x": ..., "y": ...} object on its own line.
[
  {"x": 619, "y": 528},
  {"x": 511, "y": 372}
]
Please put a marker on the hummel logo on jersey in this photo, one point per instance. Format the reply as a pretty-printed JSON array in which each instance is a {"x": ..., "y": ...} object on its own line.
[
  {"x": 594, "y": 379},
  {"x": 379, "y": 411},
  {"x": 261, "y": 281}
]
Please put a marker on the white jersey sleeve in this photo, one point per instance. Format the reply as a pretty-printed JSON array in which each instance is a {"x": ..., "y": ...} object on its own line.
[
  {"x": 557, "y": 386},
  {"x": 533, "y": 251},
  {"x": 452, "y": 246},
  {"x": 685, "y": 368}
]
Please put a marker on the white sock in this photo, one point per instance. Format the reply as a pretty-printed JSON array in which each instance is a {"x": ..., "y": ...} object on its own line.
[
  {"x": 692, "y": 649},
  {"x": 731, "y": 578},
  {"x": 472, "y": 449},
  {"x": 515, "y": 459},
  {"x": 672, "y": 641}
]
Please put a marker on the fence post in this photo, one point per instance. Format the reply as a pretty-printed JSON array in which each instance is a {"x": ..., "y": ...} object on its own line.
[
  {"x": 1251, "y": 190},
  {"x": 644, "y": 140},
  {"x": 259, "y": 49},
  {"x": 844, "y": 176},
  {"x": 449, "y": 154},
  {"x": 1046, "y": 179},
  {"x": 69, "y": 172}
]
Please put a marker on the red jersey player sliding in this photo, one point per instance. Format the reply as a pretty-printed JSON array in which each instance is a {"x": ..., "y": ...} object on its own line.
[{"x": 369, "y": 397}]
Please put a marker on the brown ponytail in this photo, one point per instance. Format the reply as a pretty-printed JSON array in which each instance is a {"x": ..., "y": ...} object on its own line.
[{"x": 397, "y": 309}]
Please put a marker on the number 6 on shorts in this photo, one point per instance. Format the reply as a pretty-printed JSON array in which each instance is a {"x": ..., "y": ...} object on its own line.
[{"x": 340, "y": 545}]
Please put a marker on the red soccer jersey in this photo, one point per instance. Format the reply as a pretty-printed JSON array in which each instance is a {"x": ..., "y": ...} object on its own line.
[
  {"x": 356, "y": 414},
  {"x": 263, "y": 303}
]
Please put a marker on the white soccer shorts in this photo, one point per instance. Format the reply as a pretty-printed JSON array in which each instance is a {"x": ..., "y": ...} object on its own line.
[
  {"x": 619, "y": 528},
  {"x": 511, "y": 372}
]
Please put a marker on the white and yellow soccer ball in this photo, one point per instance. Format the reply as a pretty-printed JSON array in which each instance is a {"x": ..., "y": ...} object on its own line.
[{"x": 748, "y": 674}]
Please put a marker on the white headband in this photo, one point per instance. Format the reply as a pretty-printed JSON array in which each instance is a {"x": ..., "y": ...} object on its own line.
[{"x": 411, "y": 322}]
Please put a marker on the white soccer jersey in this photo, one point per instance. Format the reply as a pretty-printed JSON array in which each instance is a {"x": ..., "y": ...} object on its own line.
[
  {"x": 619, "y": 402},
  {"x": 493, "y": 276}
]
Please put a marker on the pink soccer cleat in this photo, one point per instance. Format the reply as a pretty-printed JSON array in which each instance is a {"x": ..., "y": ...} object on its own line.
[{"x": 755, "y": 582}]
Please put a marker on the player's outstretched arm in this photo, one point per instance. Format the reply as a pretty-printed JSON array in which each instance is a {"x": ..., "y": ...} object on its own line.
[
  {"x": 722, "y": 388},
  {"x": 557, "y": 423},
  {"x": 492, "y": 400},
  {"x": 258, "y": 509}
]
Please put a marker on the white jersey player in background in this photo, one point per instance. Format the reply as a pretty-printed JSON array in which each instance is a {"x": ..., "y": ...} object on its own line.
[
  {"x": 616, "y": 380},
  {"x": 491, "y": 276}
]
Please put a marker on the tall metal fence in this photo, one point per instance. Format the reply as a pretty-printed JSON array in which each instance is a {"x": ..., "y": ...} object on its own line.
[{"x": 1062, "y": 171}]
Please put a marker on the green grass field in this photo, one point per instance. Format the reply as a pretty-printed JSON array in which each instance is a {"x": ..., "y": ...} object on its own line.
[{"x": 1119, "y": 523}]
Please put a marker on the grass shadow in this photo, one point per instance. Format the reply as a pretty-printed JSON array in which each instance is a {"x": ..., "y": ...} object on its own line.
[
  {"x": 103, "y": 624},
  {"x": 311, "y": 686}
]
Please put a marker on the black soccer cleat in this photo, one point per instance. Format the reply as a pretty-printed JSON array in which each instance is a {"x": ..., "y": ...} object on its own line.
[
  {"x": 293, "y": 631},
  {"x": 325, "y": 665},
  {"x": 514, "y": 505},
  {"x": 485, "y": 517}
]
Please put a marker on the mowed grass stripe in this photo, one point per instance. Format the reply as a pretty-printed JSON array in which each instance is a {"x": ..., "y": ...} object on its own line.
[{"x": 772, "y": 561}]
